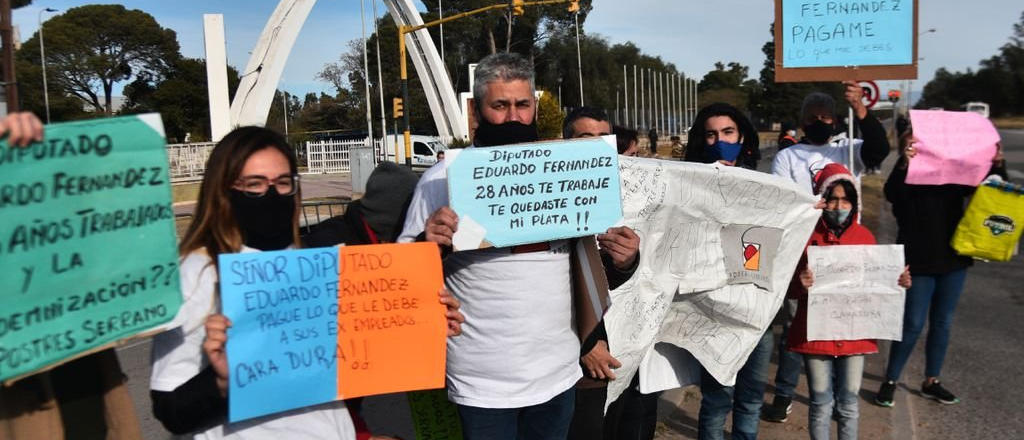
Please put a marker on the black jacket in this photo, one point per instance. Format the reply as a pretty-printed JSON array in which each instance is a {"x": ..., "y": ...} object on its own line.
[
  {"x": 876, "y": 142},
  {"x": 927, "y": 216},
  {"x": 348, "y": 228}
]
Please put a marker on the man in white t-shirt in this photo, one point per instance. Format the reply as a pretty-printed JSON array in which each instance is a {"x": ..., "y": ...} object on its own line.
[
  {"x": 819, "y": 147},
  {"x": 512, "y": 371}
]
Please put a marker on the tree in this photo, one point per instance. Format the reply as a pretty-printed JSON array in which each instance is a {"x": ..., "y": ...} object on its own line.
[
  {"x": 999, "y": 81},
  {"x": 90, "y": 48},
  {"x": 780, "y": 102},
  {"x": 181, "y": 97},
  {"x": 549, "y": 117},
  {"x": 543, "y": 34},
  {"x": 722, "y": 78}
]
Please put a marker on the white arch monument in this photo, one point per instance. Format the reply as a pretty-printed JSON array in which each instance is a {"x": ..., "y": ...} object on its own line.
[{"x": 263, "y": 72}]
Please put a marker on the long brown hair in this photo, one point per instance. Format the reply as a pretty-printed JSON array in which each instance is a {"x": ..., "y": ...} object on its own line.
[{"x": 214, "y": 227}]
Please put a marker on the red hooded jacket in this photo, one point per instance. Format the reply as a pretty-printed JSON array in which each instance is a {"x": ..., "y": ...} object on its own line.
[
  {"x": 822, "y": 236},
  {"x": 797, "y": 341}
]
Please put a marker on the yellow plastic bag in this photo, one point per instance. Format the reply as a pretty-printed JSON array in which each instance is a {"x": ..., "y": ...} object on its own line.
[{"x": 991, "y": 227}]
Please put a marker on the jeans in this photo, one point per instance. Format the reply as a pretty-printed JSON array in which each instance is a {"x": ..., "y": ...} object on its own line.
[
  {"x": 846, "y": 372},
  {"x": 788, "y": 374},
  {"x": 933, "y": 297},
  {"x": 544, "y": 421},
  {"x": 745, "y": 399}
]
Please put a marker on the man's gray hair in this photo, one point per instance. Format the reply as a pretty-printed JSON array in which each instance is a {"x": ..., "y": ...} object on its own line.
[
  {"x": 501, "y": 67},
  {"x": 815, "y": 103}
]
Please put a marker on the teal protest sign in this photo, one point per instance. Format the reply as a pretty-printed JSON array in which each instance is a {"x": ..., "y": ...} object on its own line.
[
  {"x": 532, "y": 193},
  {"x": 833, "y": 40},
  {"x": 87, "y": 241}
]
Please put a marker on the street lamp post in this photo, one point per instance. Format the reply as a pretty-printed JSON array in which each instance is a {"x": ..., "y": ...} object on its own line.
[
  {"x": 42, "y": 57},
  {"x": 910, "y": 82},
  {"x": 579, "y": 60}
]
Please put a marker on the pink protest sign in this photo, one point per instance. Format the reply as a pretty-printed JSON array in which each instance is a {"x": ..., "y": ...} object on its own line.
[{"x": 952, "y": 147}]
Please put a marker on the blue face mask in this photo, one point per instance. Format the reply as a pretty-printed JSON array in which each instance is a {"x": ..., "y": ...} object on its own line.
[
  {"x": 837, "y": 217},
  {"x": 722, "y": 150}
]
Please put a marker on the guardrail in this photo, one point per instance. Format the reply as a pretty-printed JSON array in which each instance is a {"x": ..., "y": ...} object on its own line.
[{"x": 188, "y": 161}]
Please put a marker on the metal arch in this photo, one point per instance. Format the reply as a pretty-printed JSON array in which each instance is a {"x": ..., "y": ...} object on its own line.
[
  {"x": 437, "y": 85},
  {"x": 261, "y": 76},
  {"x": 266, "y": 64}
]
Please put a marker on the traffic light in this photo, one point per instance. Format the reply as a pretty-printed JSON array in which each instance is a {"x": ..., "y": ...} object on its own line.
[
  {"x": 397, "y": 108},
  {"x": 517, "y": 7},
  {"x": 574, "y": 6},
  {"x": 894, "y": 96}
]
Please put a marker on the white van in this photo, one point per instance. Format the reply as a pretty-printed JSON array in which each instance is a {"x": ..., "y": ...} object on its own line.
[
  {"x": 424, "y": 149},
  {"x": 980, "y": 108}
]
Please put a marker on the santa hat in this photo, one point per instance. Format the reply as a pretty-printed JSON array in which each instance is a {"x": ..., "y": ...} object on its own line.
[{"x": 829, "y": 175}]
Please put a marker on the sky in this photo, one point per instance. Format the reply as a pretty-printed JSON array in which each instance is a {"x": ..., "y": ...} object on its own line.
[{"x": 692, "y": 34}]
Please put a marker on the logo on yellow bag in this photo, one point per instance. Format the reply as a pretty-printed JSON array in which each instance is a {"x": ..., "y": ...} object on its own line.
[{"x": 999, "y": 224}]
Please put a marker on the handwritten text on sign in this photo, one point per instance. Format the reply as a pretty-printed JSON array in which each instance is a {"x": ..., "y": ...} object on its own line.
[
  {"x": 855, "y": 293},
  {"x": 847, "y": 33},
  {"x": 721, "y": 246},
  {"x": 316, "y": 325},
  {"x": 952, "y": 147},
  {"x": 531, "y": 193},
  {"x": 282, "y": 343},
  {"x": 390, "y": 319},
  {"x": 87, "y": 240}
]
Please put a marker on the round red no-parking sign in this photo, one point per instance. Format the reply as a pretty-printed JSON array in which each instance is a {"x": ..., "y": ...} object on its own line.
[{"x": 871, "y": 93}]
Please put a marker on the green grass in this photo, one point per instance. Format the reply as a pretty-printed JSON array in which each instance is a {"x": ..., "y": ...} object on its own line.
[
  {"x": 1009, "y": 123},
  {"x": 185, "y": 192}
]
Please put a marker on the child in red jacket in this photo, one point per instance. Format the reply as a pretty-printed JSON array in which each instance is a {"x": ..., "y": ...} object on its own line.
[{"x": 834, "y": 368}]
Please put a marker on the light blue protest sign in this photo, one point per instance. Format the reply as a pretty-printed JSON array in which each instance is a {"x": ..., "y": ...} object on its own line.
[
  {"x": 281, "y": 346},
  {"x": 86, "y": 241},
  {"x": 847, "y": 33},
  {"x": 531, "y": 193}
]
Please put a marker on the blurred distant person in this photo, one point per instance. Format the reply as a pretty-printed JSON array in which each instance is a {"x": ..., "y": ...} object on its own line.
[
  {"x": 652, "y": 137},
  {"x": 440, "y": 155},
  {"x": 787, "y": 136}
]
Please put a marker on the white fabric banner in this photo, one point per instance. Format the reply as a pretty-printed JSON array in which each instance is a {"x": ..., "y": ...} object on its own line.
[
  {"x": 856, "y": 294},
  {"x": 718, "y": 248}
]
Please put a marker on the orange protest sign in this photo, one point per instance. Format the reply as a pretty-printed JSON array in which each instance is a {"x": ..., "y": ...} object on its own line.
[{"x": 391, "y": 327}]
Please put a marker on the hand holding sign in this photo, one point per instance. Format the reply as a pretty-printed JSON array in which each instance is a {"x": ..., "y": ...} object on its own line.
[
  {"x": 21, "y": 129},
  {"x": 213, "y": 346},
  {"x": 855, "y": 292},
  {"x": 317, "y": 325},
  {"x": 67, "y": 199},
  {"x": 441, "y": 226},
  {"x": 622, "y": 244},
  {"x": 951, "y": 147}
]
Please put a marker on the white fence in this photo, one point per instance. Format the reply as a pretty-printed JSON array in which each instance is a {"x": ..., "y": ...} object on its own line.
[
  {"x": 188, "y": 161},
  {"x": 332, "y": 156}
]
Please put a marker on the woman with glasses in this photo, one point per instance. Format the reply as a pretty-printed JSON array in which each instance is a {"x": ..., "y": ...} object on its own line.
[{"x": 248, "y": 202}]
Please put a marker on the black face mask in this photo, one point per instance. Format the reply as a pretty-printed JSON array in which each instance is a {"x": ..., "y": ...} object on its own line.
[
  {"x": 265, "y": 222},
  {"x": 512, "y": 132},
  {"x": 818, "y": 132}
]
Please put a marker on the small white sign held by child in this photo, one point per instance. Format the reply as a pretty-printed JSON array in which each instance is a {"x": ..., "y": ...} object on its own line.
[{"x": 856, "y": 294}]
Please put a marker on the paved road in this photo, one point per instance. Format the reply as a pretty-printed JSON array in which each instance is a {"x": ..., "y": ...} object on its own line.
[{"x": 1013, "y": 149}]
